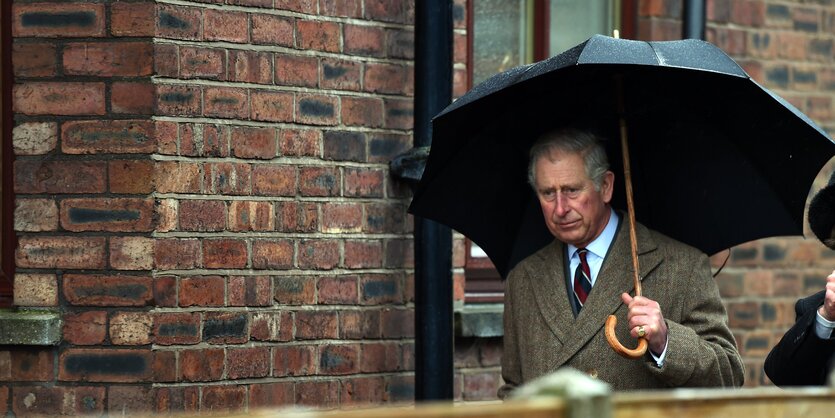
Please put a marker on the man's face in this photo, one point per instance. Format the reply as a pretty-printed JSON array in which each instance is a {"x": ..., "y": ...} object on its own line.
[{"x": 574, "y": 211}]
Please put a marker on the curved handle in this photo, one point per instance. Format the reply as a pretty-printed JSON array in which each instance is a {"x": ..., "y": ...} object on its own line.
[{"x": 637, "y": 352}]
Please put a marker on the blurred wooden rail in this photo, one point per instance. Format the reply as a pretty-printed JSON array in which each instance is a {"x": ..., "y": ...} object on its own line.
[{"x": 680, "y": 403}]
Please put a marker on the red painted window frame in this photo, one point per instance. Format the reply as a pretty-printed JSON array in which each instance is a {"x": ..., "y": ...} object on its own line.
[{"x": 8, "y": 239}]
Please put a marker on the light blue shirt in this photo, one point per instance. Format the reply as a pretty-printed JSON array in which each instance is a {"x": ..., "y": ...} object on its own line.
[{"x": 597, "y": 250}]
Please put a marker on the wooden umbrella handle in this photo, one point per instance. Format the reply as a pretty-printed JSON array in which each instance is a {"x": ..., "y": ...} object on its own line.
[{"x": 611, "y": 338}]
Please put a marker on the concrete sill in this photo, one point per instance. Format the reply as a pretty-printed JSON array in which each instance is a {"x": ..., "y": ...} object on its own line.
[
  {"x": 479, "y": 320},
  {"x": 30, "y": 327}
]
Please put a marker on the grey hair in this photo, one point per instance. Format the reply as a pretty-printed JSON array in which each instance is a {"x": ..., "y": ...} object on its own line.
[{"x": 574, "y": 141}]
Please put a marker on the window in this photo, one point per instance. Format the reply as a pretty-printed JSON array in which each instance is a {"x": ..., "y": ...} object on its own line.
[
  {"x": 508, "y": 33},
  {"x": 6, "y": 196}
]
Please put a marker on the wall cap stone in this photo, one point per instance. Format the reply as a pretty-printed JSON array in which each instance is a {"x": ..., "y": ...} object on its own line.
[
  {"x": 479, "y": 320},
  {"x": 27, "y": 326}
]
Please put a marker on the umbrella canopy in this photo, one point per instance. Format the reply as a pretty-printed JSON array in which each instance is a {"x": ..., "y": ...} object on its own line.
[{"x": 716, "y": 159}]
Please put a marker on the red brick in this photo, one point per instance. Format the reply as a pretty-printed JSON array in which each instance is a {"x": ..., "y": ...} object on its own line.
[
  {"x": 132, "y": 19},
  {"x": 32, "y": 365},
  {"x": 301, "y": 6},
  {"x": 318, "y": 35},
  {"x": 110, "y": 215},
  {"x": 251, "y": 142},
  {"x": 295, "y": 290},
  {"x": 166, "y": 61},
  {"x": 102, "y": 290},
  {"x": 105, "y": 365},
  {"x": 172, "y": 400},
  {"x": 221, "y": 25},
  {"x": 364, "y": 40},
  {"x": 202, "y": 215},
  {"x": 319, "y": 181},
  {"x": 399, "y": 253},
  {"x": 272, "y": 30},
  {"x": 357, "y": 325},
  {"x": 272, "y": 106},
  {"x": 314, "y": 325},
  {"x": 39, "y": 19},
  {"x": 179, "y": 22},
  {"x": 459, "y": 48},
  {"x": 32, "y": 289},
  {"x": 117, "y": 137},
  {"x": 131, "y": 176},
  {"x": 398, "y": 323},
  {"x": 228, "y": 178},
  {"x": 177, "y": 328},
  {"x": 300, "y": 142},
  {"x": 4, "y": 400},
  {"x": 34, "y": 138},
  {"x": 362, "y": 111},
  {"x": 272, "y": 254},
  {"x": 384, "y": 147},
  {"x": 386, "y": 10},
  {"x": 250, "y": 291},
  {"x": 245, "y": 363},
  {"x": 251, "y": 66},
  {"x": 167, "y": 136},
  {"x": 165, "y": 366},
  {"x": 251, "y": 216},
  {"x": 342, "y": 217},
  {"x": 225, "y": 102},
  {"x": 341, "y": 8},
  {"x": 295, "y": 360},
  {"x": 340, "y": 74},
  {"x": 132, "y": 98},
  {"x": 201, "y": 365},
  {"x": 399, "y": 114},
  {"x": 131, "y": 253},
  {"x": 108, "y": 59},
  {"x": 179, "y": 100},
  {"x": 481, "y": 386},
  {"x": 318, "y": 254},
  {"x": 401, "y": 44},
  {"x": 271, "y": 395},
  {"x": 340, "y": 290},
  {"x": 224, "y": 253},
  {"x": 202, "y": 291},
  {"x": 363, "y": 392},
  {"x": 362, "y": 182},
  {"x": 379, "y": 289},
  {"x": 207, "y": 63},
  {"x": 338, "y": 359},
  {"x": 272, "y": 326},
  {"x": 226, "y": 327},
  {"x": 34, "y": 215},
  {"x": 652, "y": 8},
  {"x": 316, "y": 109},
  {"x": 61, "y": 252},
  {"x": 176, "y": 253},
  {"x": 224, "y": 398},
  {"x": 204, "y": 140},
  {"x": 273, "y": 180},
  {"x": 178, "y": 177},
  {"x": 386, "y": 78},
  {"x": 748, "y": 12},
  {"x": 321, "y": 394},
  {"x": 296, "y": 70},
  {"x": 131, "y": 328},
  {"x": 130, "y": 399},
  {"x": 54, "y": 98},
  {"x": 363, "y": 254},
  {"x": 63, "y": 400},
  {"x": 34, "y": 59},
  {"x": 165, "y": 291},
  {"x": 297, "y": 217},
  {"x": 380, "y": 357},
  {"x": 386, "y": 218}
]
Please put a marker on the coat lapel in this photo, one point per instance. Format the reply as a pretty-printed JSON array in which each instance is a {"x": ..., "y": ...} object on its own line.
[
  {"x": 614, "y": 278},
  {"x": 550, "y": 295}
]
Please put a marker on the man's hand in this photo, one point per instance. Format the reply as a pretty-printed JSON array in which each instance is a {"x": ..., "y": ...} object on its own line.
[
  {"x": 828, "y": 308},
  {"x": 647, "y": 313}
]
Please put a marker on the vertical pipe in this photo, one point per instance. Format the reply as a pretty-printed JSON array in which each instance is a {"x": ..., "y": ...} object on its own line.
[
  {"x": 693, "y": 19},
  {"x": 433, "y": 241}
]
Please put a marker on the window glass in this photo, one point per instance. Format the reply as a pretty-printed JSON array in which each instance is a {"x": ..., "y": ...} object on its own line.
[
  {"x": 500, "y": 39},
  {"x": 574, "y": 21}
]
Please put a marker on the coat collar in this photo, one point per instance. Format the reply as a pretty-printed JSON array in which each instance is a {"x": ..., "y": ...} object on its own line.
[{"x": 615, "y": 277}]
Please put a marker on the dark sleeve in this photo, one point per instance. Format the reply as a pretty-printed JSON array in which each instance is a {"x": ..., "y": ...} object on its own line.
[{"x": 801, "y": 358}]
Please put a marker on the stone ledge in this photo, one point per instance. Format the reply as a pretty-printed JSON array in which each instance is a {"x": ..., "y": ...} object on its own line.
[
  {"x": 30, "y": 327},
  {"x": 479, "y": 320}
]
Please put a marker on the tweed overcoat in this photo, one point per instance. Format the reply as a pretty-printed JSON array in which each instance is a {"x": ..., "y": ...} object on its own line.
[
  {"x": 801, "y": 358},
  {"x": 542, "y": 335}
]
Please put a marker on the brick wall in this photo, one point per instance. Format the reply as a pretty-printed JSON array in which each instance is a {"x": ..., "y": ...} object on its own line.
[{"x": 202, "y": 188}]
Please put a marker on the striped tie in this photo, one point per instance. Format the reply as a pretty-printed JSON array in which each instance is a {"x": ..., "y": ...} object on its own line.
[{"x": 582, "y": 278}]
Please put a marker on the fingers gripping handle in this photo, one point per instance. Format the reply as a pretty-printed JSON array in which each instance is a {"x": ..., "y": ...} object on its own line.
[{"x": 612, "y": 339}]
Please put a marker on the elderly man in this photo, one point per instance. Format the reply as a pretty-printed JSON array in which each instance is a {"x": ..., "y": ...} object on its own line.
[
  {"x": 805, "y": 356},
  {"x": 557, "y": 299}
]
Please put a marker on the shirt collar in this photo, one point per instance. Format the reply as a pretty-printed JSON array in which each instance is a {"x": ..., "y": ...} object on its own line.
[{"x": 600, "y": 245}]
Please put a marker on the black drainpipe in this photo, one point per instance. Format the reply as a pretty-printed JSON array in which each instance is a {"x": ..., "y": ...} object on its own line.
[
  {"x": 432, "y": 241},
  {"x": 693, "y": 20}
]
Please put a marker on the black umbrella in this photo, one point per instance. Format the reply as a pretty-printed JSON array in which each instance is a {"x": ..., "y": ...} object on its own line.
[{"x": 716, "y": 159}]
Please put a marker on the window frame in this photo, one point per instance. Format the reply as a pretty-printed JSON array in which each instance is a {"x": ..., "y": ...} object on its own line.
[{"x": 7, "y": 235}]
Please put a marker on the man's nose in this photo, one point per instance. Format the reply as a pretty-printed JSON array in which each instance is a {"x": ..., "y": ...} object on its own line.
[{"x": 560, "y": 206}]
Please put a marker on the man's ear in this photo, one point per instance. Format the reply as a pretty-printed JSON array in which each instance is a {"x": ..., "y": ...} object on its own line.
[{"x": 607, "y": 186}]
